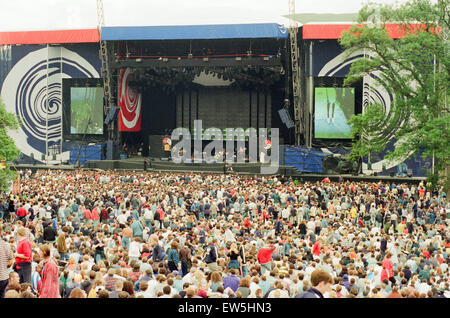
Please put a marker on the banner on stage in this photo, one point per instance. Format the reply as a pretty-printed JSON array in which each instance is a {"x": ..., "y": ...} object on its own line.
[{"x": 130, "y": 104}]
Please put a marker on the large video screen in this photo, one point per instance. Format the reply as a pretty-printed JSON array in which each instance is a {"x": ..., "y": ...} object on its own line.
[
  {"x": 333, "y": 108},
  {"x": 86, "y": 110}
]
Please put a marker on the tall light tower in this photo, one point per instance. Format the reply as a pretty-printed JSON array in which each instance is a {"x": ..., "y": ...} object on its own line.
[
  {"x": 105, "y": 71},
  {"x": 296, "y": 80}
]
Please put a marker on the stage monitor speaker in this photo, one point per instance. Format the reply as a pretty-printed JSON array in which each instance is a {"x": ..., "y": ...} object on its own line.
[
  {"x": 330, "y": 164},
  {"x": 112, "y": 150},
  {"x": 345, "y": 166},
  {"x": 112, "y": 114},
  {"x": 286, "y": 118}
]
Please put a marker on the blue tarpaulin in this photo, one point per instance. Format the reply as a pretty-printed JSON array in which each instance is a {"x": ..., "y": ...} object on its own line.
[
  {"x": 304, "y": 159},
  {"x": 192, "y": 32}
]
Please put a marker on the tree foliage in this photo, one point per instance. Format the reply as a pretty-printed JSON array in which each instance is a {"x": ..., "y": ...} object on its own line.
[
  {"x": 8, "y": 149},
  {"x": 416, "y": 68}
]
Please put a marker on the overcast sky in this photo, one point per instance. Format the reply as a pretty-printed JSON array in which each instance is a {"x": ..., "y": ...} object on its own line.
[{"x": 19, "y": 15}]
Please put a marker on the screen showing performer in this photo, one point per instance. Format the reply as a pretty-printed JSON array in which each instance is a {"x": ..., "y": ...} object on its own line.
[
  {"x": 333, "y": 108},
  {"x": 86, "y": 110}
]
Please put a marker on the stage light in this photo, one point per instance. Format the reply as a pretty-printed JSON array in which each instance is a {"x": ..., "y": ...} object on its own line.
[
  {"x": 160, "y": 58},
  {"x": 139, "y": 60},
  {"x": 179, "y": 59},
  {"x": 266, "y": 58},
  {"x": 165, "y": 59},
  {"x": 189, "y": 55},
  {"x": 238, "y": 58},
  {"x": 205, "y": 59}
]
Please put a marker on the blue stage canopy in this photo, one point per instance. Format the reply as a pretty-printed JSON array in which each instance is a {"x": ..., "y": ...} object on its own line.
[{"x": 195, "y": 32}]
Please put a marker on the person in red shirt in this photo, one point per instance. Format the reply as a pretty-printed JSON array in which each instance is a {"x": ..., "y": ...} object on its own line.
[
  {"x": 21, "y": 213},
  {"x": 87, "y": 214},
  {"x": 387, "y": 272},
  {"x": 24, "y": 256},
  {"x": 104, "y": 215},
  {"x": 265, "y": 258},
  {"x": 49, "y": 273},
  {"x": 95, "y": 216},
  {"x": 247, "y": 224}
]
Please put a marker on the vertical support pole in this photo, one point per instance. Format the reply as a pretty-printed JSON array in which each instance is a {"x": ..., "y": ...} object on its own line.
[{"x": 46, "y": 109}]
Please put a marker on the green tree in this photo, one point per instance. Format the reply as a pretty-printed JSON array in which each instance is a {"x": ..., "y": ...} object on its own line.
[
  {"x": 416, "y": 68},
  {"x": 8, "y": 150}
]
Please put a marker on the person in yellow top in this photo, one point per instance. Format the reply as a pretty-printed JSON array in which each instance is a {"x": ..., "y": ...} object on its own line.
[
  {"x": 401, "y": 227},
  {"x": 353, "y": 213},
  {"x": 98, "y": 284}
]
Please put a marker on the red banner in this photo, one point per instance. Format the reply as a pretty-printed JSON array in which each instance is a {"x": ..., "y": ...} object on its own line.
[{"x": 130, "y": 102}]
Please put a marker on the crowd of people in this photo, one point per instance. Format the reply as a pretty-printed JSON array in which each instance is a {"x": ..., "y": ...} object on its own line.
[{"x": 110, "y": 234}]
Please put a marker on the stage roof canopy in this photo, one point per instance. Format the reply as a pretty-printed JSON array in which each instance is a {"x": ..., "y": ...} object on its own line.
[
  {"x": 50, "y": 37},
  {"x": 195, "y": 32},
  {"x": 334, "y": 31}
]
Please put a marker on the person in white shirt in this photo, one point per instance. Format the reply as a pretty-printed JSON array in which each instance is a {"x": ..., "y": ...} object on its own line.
[
  {"x": 135, "y": 249},
  {"x": 152, "y": 287},
  {"x": 122, "y": 218},
  {"x": 423, "y": 287}
]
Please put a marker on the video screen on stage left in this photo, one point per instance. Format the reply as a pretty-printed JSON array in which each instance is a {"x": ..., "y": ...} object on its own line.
[
  {"x": 86, "y": 110},
  {"x": 333, "y": 107}
]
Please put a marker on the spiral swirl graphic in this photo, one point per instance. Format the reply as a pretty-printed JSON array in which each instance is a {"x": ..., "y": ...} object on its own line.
[
  {"x": 375, "y": 90},
  {"x": 33, "y": 91},
  {"x": 129, "y": 101}
]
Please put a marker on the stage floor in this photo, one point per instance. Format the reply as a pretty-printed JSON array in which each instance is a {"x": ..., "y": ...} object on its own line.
[{"x": 143, "y": 164}]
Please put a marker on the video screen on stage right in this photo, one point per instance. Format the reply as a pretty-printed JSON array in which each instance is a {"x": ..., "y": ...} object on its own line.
[{"x": 333, "y": 107}]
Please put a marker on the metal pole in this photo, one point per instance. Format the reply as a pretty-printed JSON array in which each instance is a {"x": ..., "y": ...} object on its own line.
[
  {"x": 434, "y": 87},
  {"x": 311, "y": 93},
  {"x": 62, "y": 122},
  {"x": 46, "y": 110}
]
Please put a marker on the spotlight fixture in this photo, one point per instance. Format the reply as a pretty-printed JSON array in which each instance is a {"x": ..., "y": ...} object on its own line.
[
  {"x": 179, "y": 59},
  {"x": 138, "y": 60},
  {"x": 266, "y": 58},
  {"x": 238, "y": 58},
  {"x": 189, "y": 55},
  {"x": 165, "y": 59},
  {"x": 205, "y": 59}
]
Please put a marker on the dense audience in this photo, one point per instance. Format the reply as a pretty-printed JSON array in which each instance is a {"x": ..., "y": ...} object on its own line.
[{"x": 109, "y": 234}]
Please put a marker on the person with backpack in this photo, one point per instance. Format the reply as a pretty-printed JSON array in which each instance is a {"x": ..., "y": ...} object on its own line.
[
  {"x": 211, "y": 256},
  {"x": 158, "y": 253},
  {"x": 185, "y": 258},
  {"x": 173, "y": 258},
  {"x": 148, "y": 217},
  {"x": 378, "y": 219},
  {"x": 76, "y": 224},
  {"x": 137, "y": 228}
]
